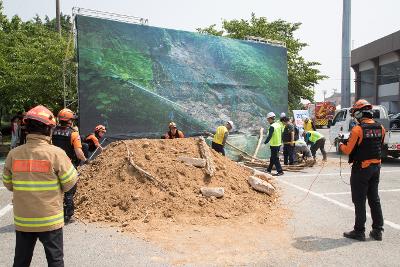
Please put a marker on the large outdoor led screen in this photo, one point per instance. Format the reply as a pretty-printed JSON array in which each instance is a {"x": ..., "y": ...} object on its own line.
[{"x": 135, "y": 79}]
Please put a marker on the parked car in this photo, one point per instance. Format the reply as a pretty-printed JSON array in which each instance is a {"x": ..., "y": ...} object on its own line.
[{"x": 395, "y": 121}]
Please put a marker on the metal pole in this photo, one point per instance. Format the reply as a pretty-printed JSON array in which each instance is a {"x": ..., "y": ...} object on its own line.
[
  {"x": 346, "y": 33},
  {"x": 324, "y": 92},
  {"x": 58, "y": 21}
]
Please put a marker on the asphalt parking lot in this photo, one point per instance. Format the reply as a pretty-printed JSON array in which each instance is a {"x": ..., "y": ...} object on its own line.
[{"x": 312, "y": 235}]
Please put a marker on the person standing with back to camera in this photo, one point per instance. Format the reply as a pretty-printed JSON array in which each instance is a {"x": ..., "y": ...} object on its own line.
[{"x": 364, "y": 148}]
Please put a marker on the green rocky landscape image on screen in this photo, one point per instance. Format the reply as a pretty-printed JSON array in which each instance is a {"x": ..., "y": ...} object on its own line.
[{"x": 135, "y": 79}]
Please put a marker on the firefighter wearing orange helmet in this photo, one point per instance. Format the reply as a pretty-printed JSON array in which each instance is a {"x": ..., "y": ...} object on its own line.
[
  {"x": 364, "y": 148},
  {"x": 68, "y": 139},
  {"x": 38, "y": 174},
  {"x": 93, "y": 139}
]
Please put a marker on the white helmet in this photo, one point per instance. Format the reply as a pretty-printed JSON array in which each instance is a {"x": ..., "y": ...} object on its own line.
[
  {"x": 305, "y": 117},
  {"x": 271, "y": 115},
  {"x": 283, "y": 115},
  {"x": 230, "y": 123}
]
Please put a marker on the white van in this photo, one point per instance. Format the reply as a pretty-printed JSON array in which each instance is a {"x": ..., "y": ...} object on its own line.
[{"x": 343, "y": 123}]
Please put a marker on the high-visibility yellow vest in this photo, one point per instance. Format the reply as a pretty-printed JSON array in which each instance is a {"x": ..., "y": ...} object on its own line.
[
  {"x": 315, "y": 136},
  {"x": 219, "y": 135},
  {"x": 276, "y": 139}
]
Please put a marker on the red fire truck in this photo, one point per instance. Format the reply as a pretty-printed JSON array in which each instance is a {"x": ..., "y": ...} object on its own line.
[{"x": 322, "y": 113}]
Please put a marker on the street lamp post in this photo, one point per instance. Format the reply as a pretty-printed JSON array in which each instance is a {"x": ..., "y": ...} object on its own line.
[
  {"x": 58, "y": 20},
  {"x": 346, "y": 32},
  {"x": 324, "y": 92}
]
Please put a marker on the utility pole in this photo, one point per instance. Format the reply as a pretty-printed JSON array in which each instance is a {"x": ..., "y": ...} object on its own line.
[
  {"x": 346, "y": 33},
  {"x": 58, "y": 20},
  {"x": 324, "y": 92}
]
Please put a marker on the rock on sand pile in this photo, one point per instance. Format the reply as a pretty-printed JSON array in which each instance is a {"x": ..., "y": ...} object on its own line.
[{"x": 150, "y": 181}]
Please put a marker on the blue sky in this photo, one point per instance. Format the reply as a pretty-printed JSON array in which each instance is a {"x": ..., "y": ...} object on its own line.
[{"x": 321, "y": 20}]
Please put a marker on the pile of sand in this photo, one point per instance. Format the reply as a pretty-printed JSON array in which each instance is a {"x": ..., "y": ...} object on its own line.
[{"x": 110, "y": 190}]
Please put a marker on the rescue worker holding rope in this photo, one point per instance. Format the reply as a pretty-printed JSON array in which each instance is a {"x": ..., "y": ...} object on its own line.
[
  {"x": 317, "y": 141},
  {"x": 68, "y": 139},
  {"x": 221, "y": 136},
  {"x": 364, "y": 148},
  {"x": 38, "y": 174},
  {"x": 93, "y": 139}
]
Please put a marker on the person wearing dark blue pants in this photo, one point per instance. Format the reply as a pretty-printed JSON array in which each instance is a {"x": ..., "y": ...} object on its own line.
[
  {"x": 274, "y": 160},
  {"x": 274, "y": 139},
  {"x": 288, "y": 154}
]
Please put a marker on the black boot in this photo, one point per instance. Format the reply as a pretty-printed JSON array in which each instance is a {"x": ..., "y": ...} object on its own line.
[
  {"x": 360, "y": 236},
  {"x": 376, "y": 234}
]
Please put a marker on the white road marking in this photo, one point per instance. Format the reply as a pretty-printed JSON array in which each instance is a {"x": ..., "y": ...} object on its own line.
[
  {"x": 348, "y": 193},
  {"x": 340, "y": 204},
  {"x": 332, "y": 174},
  {"x": 6, "y": 209}
]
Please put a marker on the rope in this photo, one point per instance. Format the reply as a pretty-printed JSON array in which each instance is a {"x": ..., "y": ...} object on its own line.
[{"x": 316, "y": 178}]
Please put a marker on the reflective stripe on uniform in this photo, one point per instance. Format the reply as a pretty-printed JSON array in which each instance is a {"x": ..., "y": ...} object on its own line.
[
  {"x": 68, "y": 176},
  {"x": 35, "y": 185},
  {"x": 39, "y": 222},
  {"x": 6, "y": 178}
]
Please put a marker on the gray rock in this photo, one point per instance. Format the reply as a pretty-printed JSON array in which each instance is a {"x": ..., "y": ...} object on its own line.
[
  {"x": 217, "y": 192},
  {"x": 201, "y": 163},
  {"x": 261, "y": 185}
]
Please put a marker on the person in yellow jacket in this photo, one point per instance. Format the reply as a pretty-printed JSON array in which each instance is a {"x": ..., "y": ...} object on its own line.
[
  {"x": 308, "y": 125},
  {"x": 220, "y": 137},
  {"x": 38, "y": 174},
  {"x": 274, "y": 139}
]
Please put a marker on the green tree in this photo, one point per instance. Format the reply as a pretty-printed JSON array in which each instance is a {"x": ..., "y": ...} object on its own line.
[
  {"x": 302, "y": 74},
  {"x": 32, "y": 63}
]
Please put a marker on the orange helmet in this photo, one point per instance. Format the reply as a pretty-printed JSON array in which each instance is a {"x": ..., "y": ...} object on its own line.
[
  {"x": 41, "y": 114},
  {"x": 361, "y": 104},
  {"x": 100, "y": 128},
  {"x": 66, "y": 115}
]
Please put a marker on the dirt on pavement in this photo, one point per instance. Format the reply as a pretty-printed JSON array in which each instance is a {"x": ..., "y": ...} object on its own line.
[{"x": 111, "y": 191}]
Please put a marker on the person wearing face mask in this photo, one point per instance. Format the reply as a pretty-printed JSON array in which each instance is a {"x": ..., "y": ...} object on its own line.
[{"x": 364, "y": 148}]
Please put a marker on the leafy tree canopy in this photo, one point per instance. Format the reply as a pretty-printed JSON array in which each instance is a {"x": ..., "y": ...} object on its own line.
[
  {"x": 32, "y": 57},
  {"x": 302, "y": 74}
]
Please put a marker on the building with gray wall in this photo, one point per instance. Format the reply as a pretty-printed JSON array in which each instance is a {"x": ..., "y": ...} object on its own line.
[{"x": 377, "y": 71}]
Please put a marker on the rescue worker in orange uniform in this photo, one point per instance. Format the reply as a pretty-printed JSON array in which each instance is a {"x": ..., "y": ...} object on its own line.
[
  {"x": 38, "y": 174},
  {"x": 364, "y": 148},
  {"x": 66, "y": 138},
  {"x": 173, "y": 132},
  {"x": 93, "y": 139}
]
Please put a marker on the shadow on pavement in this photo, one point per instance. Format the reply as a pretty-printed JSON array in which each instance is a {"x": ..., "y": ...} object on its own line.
[
  {"x": 314, "y": 243},
  {"x": 7, "y": 229},
  {"x": 391, "y": 162}
]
